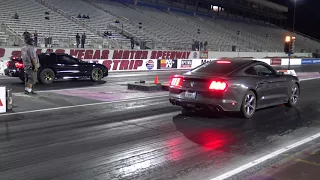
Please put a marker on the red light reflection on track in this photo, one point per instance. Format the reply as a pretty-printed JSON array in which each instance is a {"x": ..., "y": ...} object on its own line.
[
  {"x": 201, "y": 140},
  {"x": 175, "y": 153},
  {"x": 212, "y": 139}
]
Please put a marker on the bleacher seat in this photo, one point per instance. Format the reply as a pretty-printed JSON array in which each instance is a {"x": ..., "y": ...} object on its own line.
[
  {"x": 32, "y": 17},
  {"x": 160, "y": 29}
]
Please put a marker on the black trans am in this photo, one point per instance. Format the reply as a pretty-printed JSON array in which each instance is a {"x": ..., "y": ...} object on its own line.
[
  {"x": 58, "y": 66},
  {"x": 234, "y": 85}
]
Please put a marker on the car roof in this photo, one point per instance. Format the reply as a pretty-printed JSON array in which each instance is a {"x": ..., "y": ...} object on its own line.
[
  {"x": 238, "y": 60},
  {"x": 240, "y": 64}
]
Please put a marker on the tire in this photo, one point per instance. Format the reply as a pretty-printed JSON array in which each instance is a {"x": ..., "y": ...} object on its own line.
[
  {"x": 249, "y": 105},
  {"x": 46, "y": 76},
  {"x": 22, "y": 78},
  {"x": 294, "y": 96},
  {"x": 96, "y": 74},
  {"x": 187, "y": 111}
]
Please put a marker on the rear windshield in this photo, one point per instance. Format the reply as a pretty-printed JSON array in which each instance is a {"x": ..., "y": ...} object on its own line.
[{"x": 214, "y": 68}]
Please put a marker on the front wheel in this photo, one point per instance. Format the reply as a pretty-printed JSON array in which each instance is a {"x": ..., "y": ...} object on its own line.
[
  {"x": 294, "y": 96},
  {"x": 46, "y": 76},
  {"x": 249, "y": 105},
  {"x": 96, "y": 74}
]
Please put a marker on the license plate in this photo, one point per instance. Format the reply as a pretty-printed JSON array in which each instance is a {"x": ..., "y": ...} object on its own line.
[{"x": 190, "y": 95}]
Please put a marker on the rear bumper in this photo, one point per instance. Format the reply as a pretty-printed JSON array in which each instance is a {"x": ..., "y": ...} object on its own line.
[
  {"x": 13, "y": 72},
  {"x": 211, "y": 104}
]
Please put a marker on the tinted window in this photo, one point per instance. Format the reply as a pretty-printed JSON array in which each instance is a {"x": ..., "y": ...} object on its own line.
[
  {"x": 260, "y": 70},
  {"x": 47, "y": 58},
  {"x": 65, "y": 59},
  {"x": 221, "y": 69},
  {"x": 263, "y": 70}
]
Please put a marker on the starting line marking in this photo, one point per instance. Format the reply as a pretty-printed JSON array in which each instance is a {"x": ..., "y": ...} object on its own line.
[
  {"x": 81, "y": 105},
  {"x": 265, "y": 158}
]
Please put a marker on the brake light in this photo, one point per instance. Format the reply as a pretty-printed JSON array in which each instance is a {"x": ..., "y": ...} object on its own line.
[
  {"x": 19, "y": 65},
  {"x": 8, "y": 64},
  {"x": 176, "y": 81},
  {"x": 218, "y": 85},
  {"x": 223, "y": 62}
]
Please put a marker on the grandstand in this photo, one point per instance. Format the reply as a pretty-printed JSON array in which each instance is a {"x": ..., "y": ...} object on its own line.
[{"x": 161, "y": 26}]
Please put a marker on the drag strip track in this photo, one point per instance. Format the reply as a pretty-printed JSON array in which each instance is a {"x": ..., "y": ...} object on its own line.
[
  {"x": 120, "y": 78},
  {"x": 124, "y": 77},
  {"x": 147, "y": 139}
]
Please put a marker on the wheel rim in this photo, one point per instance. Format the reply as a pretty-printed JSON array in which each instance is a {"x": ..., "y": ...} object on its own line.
[
  {"x": 294, "y": 95},
  {"x": 250, "y": 104},
  {"x": 47, "y": 77},
  {"x": 97, "y": 74}
]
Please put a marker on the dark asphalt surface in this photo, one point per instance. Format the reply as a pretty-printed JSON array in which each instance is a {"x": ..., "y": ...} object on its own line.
[
  {"x": 143, "y": 139},
  {"x": 17, "y": 86},
  {"x": 120, "y": 77}
]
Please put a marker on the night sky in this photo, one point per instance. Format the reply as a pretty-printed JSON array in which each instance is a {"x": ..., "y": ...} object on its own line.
[{"x": 307, "y": 16}]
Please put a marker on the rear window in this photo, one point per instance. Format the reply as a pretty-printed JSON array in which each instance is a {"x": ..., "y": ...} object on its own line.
[{"x": 219, "y": 67}]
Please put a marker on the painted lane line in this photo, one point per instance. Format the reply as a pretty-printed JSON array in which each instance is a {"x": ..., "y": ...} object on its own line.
[
  {"x": 308, "y": 79},
  {"x": 265, "y": 158},
  {"x": 80, "y": 105}
]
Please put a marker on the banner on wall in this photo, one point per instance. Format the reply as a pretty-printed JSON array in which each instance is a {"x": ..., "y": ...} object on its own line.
[
  {"x": 128, "y": 64},
  {"x": 3, "y": 66},
  {"x": 275, "y": 61},
  {"x": 167, "y": 64},
  {"x": 185, "y": 63},
  {"x": 204, "y": 54},
  {"x": 6, "y": 53},
  {"x": 150, "y": 64},
  {"x": 310, "y": 61}
]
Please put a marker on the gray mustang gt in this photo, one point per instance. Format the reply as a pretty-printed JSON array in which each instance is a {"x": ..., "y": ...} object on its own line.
[{"x": 233, "y": 85}]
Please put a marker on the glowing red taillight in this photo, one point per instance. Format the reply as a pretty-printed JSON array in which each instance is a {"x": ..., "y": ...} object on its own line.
[
  {"x": 218, "y": 85},
  {"x": 8, "y": 64},
  {"x": 19, "y": 65},
  {"x": 176, "y": 81}
]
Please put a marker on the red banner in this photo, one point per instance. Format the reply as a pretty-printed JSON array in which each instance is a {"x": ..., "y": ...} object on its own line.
[{"x": 275, "y": 61}]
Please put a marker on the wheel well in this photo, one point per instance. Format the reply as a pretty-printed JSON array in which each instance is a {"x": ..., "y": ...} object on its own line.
[
  {"x": 254, "y": 91},
  {"x": 256, "y": 94}
]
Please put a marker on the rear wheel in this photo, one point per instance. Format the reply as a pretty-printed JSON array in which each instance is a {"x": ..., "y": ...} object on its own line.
[
  {"x": 294, "y": 96},
  {"x": 22, "y": 78},
  {"x": 249, "y": 105},
  {"x": 46, "y": 76},
  {"x": 187, "y": 111},
  {"x": 96, "y": 74}
]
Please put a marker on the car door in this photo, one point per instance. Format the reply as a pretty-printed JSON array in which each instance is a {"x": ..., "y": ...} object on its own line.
[
  {"x": 274, "y": 87},
  {"x": 67, "y": 66}
]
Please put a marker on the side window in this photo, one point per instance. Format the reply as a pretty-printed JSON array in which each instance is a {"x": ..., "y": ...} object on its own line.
[
  {"x": 47, "y": 58},
  {"x": 251, "y": 71},
  {"x": 262, "y": 70},
  {"x": 65, "y": 59}
]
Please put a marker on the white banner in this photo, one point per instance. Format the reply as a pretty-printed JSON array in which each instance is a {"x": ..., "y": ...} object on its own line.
[
  {"x": 3, "y": 66},
  {"x": 3, "y": 102}
]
